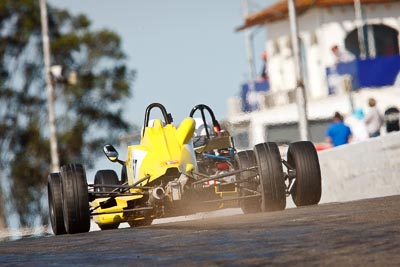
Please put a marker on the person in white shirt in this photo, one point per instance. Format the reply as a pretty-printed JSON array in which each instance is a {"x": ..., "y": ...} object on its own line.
[
  {"x": 341, "y": 55},
  {"x": 373, "y": 119}
]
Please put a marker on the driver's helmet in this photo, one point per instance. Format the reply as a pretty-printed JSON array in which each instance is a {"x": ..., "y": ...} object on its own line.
[{"x": 200, "y": 129}]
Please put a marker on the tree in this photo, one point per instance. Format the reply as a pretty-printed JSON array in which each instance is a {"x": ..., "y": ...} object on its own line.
[{"x": 88, "y": 112}]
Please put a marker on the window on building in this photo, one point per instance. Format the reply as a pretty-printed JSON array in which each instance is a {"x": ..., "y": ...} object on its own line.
[
  {"x": 385, "y": 40},
  {"x": 289, "y": 132},
  {"x": 241, "y": 140}
]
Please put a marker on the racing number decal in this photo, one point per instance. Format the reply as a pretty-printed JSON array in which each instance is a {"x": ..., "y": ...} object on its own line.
[{"x": 138, "y": 156}]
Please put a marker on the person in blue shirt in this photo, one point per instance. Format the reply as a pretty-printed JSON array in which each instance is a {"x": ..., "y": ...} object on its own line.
[{"x": 338, "y": 133}]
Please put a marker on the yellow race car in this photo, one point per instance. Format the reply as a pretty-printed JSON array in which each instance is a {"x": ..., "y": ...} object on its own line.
[{"x": 178, "y": 171}]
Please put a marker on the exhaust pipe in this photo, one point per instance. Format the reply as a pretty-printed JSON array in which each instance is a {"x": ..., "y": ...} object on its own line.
[{"x": 157, "y": 194}]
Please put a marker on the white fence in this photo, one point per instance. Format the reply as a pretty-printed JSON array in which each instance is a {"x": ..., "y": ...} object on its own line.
[{"x": 362, "y": 170}]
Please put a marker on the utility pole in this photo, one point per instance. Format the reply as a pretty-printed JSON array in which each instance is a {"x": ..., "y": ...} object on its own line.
[
  {"x": 300, "y": 90},
  {"x": 249, "y": 44},
  {"x": 55, "y": 165},
  {"x": 360, "y": 28}
]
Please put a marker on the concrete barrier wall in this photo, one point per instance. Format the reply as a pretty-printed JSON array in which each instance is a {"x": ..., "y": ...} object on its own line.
[{"x": 361, "y": 170}]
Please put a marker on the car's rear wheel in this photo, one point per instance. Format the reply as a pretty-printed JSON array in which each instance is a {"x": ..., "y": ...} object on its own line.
[
  {"x": 75, "y": 199},
  {"x": 244, "y": 160},
  {"x": 272, "y": 183},
  {"x": 55, "y": 203},
  {"x": 303, "y": 157},
  {"x": 106, "y": 177}
]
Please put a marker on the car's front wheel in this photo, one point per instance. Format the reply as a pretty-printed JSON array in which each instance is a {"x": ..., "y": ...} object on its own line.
[
  {"x": 55, "y": 203},
  {"x": 75, "y": 199}
]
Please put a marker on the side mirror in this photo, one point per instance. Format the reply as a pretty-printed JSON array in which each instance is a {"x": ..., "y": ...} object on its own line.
[{"x": 111, "y": 153}]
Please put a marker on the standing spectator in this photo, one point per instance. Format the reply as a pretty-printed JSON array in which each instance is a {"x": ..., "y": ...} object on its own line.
[
  {"x": 264, "y": 70},
  {"x": 341, "y": 56},
  {"x": 336, "y": 82},
  {"x": 373, "y": 119},
  {"x": 338, "y": 133}
]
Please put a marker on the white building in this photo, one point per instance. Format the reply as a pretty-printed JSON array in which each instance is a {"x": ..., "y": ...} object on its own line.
[{"x": 322, "y": 25}]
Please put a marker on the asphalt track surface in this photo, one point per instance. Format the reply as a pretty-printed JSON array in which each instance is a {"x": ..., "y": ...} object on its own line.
[{"x": 358, "y": 233}]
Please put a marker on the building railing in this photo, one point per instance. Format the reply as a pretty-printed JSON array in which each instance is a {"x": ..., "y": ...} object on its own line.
[{"x": 374, "y": 72}]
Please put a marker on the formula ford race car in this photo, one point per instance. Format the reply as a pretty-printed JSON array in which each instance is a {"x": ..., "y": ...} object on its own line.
[{"x": 177, "y": 171}]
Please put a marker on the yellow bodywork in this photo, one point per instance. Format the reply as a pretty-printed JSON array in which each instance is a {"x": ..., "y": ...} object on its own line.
[
  {"x": 164, "y": 147},
  {"x": 111, "y": 217},
  {"x": 161, "y": 148}
]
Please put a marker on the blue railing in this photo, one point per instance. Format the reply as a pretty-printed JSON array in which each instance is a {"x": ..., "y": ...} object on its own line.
[{"x": 376, "y": 72}]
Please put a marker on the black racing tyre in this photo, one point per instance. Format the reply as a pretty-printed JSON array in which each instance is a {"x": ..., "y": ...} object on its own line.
[
  {"x": 245, "y": 159},
  {"x": 106, "y": 177},
  {"x": 303, "y": 157},
  {"x": 75, "y": 199},
  {"x": 55, "y": 203},
  {"x": 124, "y": 175},
  {"x": 272, "y": 181}
]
